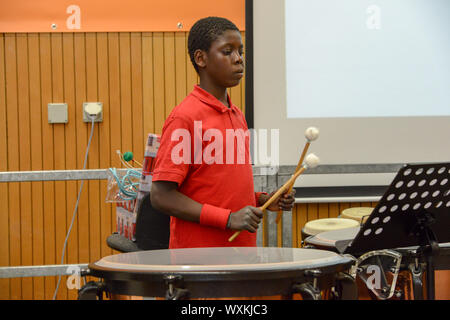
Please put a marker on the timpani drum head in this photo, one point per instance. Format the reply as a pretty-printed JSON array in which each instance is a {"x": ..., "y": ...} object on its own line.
[
  {"x": 315, "y": 227},
  {"x": 359, "y": 214},
  {"x": 215, "y": 272},
  {"x": 214, "y": 260}
]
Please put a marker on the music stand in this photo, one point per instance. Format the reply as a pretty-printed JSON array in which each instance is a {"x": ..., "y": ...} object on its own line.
[{"x": 413, "y": 212}]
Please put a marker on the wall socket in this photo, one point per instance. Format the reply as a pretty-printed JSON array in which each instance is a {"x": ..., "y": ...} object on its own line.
[{"x": 92, "y": 108}]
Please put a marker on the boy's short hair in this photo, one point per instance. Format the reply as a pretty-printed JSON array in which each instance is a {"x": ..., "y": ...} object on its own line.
[{"x": 204, "y": 32}]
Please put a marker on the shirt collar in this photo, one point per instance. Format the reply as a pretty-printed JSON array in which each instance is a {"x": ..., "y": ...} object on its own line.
[{"x": 212, "y": 101}]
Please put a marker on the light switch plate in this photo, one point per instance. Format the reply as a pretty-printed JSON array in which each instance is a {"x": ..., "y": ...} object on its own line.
[{"x": 57, "y": 113}]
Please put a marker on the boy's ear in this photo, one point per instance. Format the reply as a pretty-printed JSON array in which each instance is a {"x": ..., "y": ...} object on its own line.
[{"x": 200, "y": 58}]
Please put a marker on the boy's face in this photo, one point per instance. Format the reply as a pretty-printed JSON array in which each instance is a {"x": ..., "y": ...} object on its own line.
[{"x": 223, "y": 64}]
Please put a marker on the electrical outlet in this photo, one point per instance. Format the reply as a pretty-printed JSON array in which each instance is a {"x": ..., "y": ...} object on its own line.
[{"x": 92, "y": 109}]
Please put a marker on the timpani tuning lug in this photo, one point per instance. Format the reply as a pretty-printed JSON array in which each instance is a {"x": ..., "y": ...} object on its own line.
[
  {"x": 399, "y": 294},
  {"x": 314, "y": 274},
  {"x": 175, "y": 290},
  {"x": 308, "y": 291},
  {"x": 93, "y": 290}
]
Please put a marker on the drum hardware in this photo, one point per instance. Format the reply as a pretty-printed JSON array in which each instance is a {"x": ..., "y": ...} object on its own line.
[
  {"x": 93, "y": 290},
  {"x": 345, "y": 288},
  {"x": 417, "y": 279},
  {"x": 374, "y": 265},
  {"x": 428, "y": 247},
  {"x": 353, "y": 269},
  {"x": 308, "y": 290},
  {"x": 174, "y": 285},
  {"x": 315, "y": 274}
]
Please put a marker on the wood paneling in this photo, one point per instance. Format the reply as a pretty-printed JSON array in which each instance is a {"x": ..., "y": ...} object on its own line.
[{"x": 139, "y": 77}]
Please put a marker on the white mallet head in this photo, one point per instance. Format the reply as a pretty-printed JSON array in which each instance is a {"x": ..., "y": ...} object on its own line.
[
  {"x": 311, "y": 161},
  {"x": 312, "y": 133}
]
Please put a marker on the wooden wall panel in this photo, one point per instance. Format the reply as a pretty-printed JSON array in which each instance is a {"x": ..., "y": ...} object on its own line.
[
  {"x": 4, "y": 194},
  {"x": 139, "y": 77},
  {"x": 70, "y": 155},
  {"x": 12, "y": 124}
]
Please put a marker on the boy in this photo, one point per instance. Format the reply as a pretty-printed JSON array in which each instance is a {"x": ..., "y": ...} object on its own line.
[{"x": 203, "y": 176}]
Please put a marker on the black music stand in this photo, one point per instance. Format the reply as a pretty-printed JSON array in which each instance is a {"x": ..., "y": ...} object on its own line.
[{"x": 413, "y": 212}]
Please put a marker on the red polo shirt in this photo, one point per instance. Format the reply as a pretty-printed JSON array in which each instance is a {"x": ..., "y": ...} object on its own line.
[{"x": 205, "y": 150}]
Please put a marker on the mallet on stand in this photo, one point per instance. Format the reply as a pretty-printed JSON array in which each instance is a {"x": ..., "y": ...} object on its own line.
[{"x": 311, "y": 161}]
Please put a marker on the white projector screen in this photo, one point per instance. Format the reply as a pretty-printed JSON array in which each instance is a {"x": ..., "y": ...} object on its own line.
[{"x": 372, "y": 76}]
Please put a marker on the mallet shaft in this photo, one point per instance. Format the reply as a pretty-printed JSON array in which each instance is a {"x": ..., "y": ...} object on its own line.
[{"x": 299, "y": 164}]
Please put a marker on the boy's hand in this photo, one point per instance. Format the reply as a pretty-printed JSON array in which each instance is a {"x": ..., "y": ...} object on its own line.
[
  {"x": 248, "y": 218},
  {"x": 284, "y": 202}
]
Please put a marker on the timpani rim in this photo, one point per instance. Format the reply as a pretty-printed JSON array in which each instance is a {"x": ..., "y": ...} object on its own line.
[{"x": 326, "y": 258}]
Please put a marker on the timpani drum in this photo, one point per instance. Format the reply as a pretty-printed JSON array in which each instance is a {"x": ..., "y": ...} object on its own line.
[
  {"x": 359, "y": 214},
  {"x": 403, "y": 268},
  {"x": 314, "y": 227},
  {"x": 327, "y": 240},
  {"x": 366, "y": 291},
  {"x": 221, "y": 272}
]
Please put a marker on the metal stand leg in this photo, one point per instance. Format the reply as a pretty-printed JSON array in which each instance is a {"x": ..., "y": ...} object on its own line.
[
  {"x": 346, "y": 288},
  {"x": 430, "y": 279},
  {"x": 416, "y": 275}
]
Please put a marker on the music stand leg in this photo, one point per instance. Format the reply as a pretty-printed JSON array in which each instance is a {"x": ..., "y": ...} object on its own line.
[
  {"x": 430, "y": 279},
  {"x": 417, "y": 280}
]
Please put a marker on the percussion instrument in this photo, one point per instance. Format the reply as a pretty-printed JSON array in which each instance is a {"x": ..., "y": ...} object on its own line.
[
  {"x": 403, "y": 267},
  {"x": 315, "y": 227},
  {"x": 359, "y": 214},
  {"x": 221, "y": 272}
]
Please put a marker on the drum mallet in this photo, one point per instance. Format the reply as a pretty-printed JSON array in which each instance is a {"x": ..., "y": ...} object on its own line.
[
  {"x": 311, "y": 161},
  {"x": 311, "y": 134}
]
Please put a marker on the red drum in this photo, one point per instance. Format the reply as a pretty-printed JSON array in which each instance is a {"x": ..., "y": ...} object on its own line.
[{"x": 222, "y": 272}]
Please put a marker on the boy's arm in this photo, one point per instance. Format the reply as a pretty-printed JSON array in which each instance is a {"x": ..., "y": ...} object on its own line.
[{"x": 166, "y": 198}]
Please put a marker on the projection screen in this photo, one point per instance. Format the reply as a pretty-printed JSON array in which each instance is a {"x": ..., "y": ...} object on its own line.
[{"x": 372, "y": 76}]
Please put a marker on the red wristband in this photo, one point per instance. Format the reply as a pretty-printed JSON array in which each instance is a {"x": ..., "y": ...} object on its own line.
[{"x": 214, "y": 216}]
